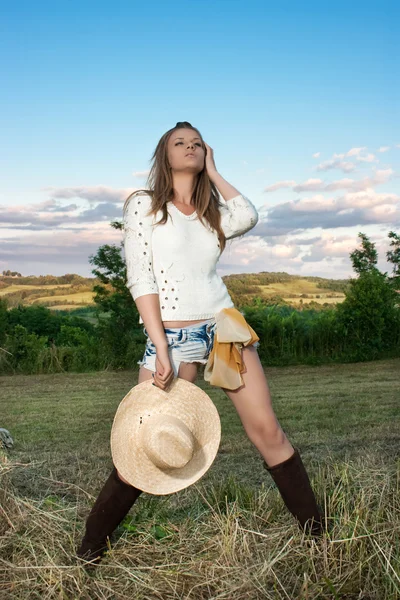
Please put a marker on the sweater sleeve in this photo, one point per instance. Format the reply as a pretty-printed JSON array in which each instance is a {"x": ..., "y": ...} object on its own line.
[
  {"x": 138, "y": 229},
  {"x": 238, "y": 215}
]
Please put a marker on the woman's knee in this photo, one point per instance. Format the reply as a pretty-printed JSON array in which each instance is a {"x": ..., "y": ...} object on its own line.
[{"x": 270, "y": 434}]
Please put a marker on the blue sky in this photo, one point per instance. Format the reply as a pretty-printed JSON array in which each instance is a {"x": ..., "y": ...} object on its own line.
[{"x": 299, "y": 101}]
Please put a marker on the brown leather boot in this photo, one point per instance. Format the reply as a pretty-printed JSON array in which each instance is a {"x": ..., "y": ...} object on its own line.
[
  {"x": 294, "y": 486},
  {"x": 111, "y": 506}
]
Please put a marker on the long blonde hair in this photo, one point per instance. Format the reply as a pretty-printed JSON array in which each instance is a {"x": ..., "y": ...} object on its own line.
[{"x": 205, "y": 196}]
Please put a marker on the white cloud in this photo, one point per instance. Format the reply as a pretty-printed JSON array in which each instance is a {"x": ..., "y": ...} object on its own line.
[
  {"x": 279, "y": 185},
  {"x": 297, "y": 235},
  {"x": 338, "y": 161},
  {"x": 354, "y": 208},
  {"x": 96, "y": 193},
  {"x": 141, "y": 174},
  {"x": 380, "y": 176}
]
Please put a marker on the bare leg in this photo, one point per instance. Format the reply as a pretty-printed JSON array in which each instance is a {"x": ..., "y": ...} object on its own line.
[{"x": 253, "y": 403}]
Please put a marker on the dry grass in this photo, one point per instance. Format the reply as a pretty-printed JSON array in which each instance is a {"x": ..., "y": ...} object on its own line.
[
  {"x": 80, "y": 298},
  {"x": 229, "y": 535},
  {"x": 70, "y": 307},
  {"x": 321, "y": 300},
  {"x": 15, "y": 287},
  {"x": 301, "y": 286}
]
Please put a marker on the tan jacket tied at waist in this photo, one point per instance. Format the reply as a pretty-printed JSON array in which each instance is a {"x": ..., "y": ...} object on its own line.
[{"x": 225, "y": 363}]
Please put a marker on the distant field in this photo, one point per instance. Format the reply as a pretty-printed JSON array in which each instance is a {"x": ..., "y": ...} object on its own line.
[
  {"x": 21, "y": 288},
  {"x": 84, "y": 298},
  {"x": 67, "y": 306},
  {"x": 321, "y": 300},
  {"x": 299, "y": 287},
  {"x": 294, "y": 287}
]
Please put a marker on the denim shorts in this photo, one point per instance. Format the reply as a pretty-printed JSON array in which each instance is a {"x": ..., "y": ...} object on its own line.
[{"x": 192, "y": 343}]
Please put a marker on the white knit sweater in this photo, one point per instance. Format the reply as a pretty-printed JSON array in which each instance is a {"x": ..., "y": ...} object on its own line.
[{"x": 178, "y": 260}]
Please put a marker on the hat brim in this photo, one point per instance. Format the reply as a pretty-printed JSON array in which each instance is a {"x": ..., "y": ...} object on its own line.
[{"x": 184, "y": 400}]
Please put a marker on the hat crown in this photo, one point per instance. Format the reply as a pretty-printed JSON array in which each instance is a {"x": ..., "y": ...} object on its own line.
[
  {"x": 163, "y": 441},
  {"x": 167, "y": 441}
]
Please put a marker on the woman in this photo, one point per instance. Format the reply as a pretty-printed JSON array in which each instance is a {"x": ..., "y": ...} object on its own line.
[{"x": 175, "y": 232}]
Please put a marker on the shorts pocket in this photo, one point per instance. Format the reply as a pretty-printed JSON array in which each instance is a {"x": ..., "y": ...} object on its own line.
[
  {"x": 175, "y": 338},
  {"x": 175, "y": 342}
]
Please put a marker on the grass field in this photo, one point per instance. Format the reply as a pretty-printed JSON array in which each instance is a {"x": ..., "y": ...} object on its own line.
[
  {"x": 298, "y": 287},
  {"x": 70, "y": 307},
  {"x": 83, "y": 298},
  {"x": 22, "y": 287},
  {"x": 228, "y": 536}
]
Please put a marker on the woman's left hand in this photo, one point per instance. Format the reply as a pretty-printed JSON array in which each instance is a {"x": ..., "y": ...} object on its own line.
[{"x": 210, "y": 164}]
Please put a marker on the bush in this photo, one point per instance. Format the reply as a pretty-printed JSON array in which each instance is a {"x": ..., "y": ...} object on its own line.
[{"x": 369, "y": 316}]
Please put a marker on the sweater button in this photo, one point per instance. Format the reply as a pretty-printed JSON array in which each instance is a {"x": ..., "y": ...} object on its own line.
[
  {"x": 176, "y": 298},
  {"x": 173, "y": 307},
  {"x": 163, "y": 307}
]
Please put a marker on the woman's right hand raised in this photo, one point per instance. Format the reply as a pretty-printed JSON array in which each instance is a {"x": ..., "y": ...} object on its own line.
[{"x": 164, "y": 374}]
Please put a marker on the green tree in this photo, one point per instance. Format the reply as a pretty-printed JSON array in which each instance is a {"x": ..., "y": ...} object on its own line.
[
  {"x": 393, "y": 256},
  {"x": 369, "y": 315},
  {"x": 364, "y": 259},
  {"x": 121, "y": 336},
  {"x": 3, "y": 320}
]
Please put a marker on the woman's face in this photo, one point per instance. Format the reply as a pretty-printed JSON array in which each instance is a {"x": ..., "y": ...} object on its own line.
[{"x": 181, "y": 143}]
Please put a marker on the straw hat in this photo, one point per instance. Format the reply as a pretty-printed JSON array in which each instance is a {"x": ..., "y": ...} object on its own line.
[{"x": 163, "y": 441}]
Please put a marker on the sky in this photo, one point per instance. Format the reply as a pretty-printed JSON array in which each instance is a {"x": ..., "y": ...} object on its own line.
[{"x": 298, "y": 100}]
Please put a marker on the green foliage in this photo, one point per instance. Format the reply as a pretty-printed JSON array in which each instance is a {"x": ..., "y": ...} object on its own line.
[
  {"x": 120, "y": 333},
  {"x": 393, "y": 256},
  {"x": 25, "y": 349},
  {"x": 289, "y": 336},
  {"x": 364, "y": 259},
  {"x": 42, "y": 321},
  {"x": 370, "y": 316},
  {"x": 72, "y": 336},
  {"x": 35, "y": 340},
  {"x": 365, "y": 326},
  {"x": 3, "y": 321}
]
